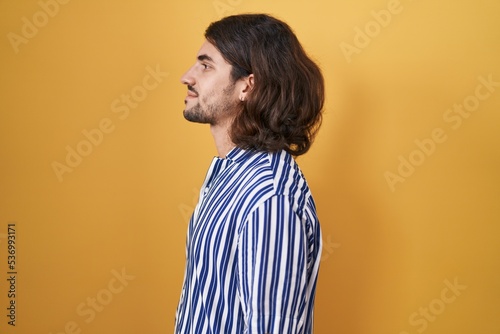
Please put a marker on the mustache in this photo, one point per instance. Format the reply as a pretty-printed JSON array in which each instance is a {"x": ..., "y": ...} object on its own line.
[{"x": 191, "y": 88}]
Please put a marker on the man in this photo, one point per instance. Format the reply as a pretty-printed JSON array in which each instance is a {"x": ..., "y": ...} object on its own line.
[{"x": 254, "y": 241}]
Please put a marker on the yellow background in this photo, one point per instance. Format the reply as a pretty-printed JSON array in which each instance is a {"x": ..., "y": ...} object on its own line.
[{"x": 389, "y": 250}]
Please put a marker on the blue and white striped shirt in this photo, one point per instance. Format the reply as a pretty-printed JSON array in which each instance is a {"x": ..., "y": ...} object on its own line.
[{"x": 253, "y": 249}]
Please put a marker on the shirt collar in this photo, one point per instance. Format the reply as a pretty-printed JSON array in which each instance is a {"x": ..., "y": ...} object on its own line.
[{"x": 238, "y": 154}]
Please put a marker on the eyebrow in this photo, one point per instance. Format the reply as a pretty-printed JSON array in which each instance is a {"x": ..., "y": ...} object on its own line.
[{"x": 205, "y": 57}]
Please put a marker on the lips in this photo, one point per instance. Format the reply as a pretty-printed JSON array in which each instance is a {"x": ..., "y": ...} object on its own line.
[{"x": 190, "y": 97}]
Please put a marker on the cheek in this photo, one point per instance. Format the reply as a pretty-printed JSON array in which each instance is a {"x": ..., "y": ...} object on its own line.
[{"x": 208, "y": 95}]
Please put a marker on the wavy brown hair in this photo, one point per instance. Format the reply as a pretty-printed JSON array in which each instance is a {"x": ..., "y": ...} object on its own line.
[{"x": 283, "y": 110}]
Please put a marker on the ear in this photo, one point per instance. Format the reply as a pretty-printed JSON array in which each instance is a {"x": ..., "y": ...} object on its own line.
[{"x": 246, "y": 86}]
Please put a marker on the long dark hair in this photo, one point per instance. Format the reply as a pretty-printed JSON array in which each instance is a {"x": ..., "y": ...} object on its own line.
[{"x": 283, "y": 110}]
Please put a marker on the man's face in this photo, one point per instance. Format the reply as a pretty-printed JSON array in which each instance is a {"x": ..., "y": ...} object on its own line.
[{"x": 212, "y": 97}]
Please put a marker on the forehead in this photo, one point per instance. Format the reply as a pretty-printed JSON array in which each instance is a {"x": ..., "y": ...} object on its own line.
[{"x": 209, "y": 52}]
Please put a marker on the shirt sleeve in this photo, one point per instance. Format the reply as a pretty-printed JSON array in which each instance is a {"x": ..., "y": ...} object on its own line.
[{"x": 272, "y": 269}]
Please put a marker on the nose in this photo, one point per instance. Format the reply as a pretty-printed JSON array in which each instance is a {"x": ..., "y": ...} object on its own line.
[{"x": 188, "y": 78}]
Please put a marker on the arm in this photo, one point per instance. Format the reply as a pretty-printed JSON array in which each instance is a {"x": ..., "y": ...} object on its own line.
[{"x": 272, "y": 268}]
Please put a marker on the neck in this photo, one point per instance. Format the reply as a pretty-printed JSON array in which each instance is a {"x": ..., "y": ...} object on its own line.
[{"x": 222, "y": 140}]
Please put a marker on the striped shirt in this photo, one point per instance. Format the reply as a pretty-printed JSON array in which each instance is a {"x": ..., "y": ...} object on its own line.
[{"x": 253, "y": 249}]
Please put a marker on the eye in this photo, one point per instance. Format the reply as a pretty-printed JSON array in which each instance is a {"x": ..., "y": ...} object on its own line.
[{"x": 205, "y": 66}]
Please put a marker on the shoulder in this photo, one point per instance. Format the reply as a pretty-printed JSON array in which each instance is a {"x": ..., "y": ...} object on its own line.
[
  {"x": 277, "y": 167},
  {"x": 263, "y": 175}
]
